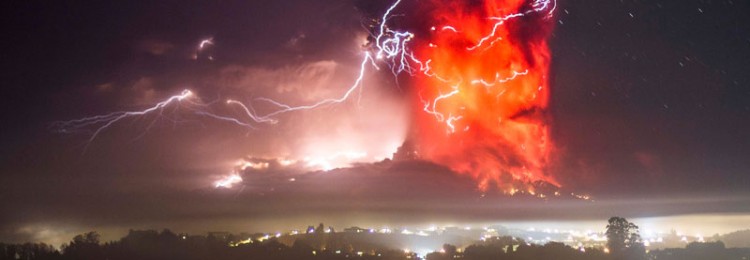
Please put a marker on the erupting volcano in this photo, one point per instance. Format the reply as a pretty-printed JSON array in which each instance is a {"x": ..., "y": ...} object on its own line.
[
  {"x": 480, "y": 91},
  {"x": 482, "y": 99}
]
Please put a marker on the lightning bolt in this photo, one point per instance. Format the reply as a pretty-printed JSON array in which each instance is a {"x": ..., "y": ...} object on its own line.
[
  {"x": 390, "y": 47},
  {"x": 485, "y": 42},
  {"x": 205, "y": 43},
  {"x": 284, "y": 108},
  {"x": 102, "y": 122},
  {"x": 461, "y": 80}
]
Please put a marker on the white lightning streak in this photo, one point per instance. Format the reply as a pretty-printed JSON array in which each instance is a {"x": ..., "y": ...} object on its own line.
[
  {"x": 105, "y": 121},
  {"x": 498, "y": 79},
  {"x": 450, "y": 121},
  {"x": 389, "y": 45},
  {"x": 206, "y": 42},
  {"x": 433, "y": 111},
  {"x": 287, "y": 108},
  {"x": 501, "y": 21},
  {"x": 449, "y": 28},
  {"x": 251, "y": 113},
  {"x": 485, "y": 42},
  {"x": 100, "y": 123}
]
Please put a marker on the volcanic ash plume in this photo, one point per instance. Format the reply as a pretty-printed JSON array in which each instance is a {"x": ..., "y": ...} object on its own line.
[{"x": 484, "y": 93}]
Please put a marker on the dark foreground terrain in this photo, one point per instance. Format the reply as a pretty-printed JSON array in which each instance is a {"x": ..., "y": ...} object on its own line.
[{"x": 151, "y": 244}]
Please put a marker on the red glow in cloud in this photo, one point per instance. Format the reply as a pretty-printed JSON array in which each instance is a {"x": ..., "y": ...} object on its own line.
[{"x": 481, "y": 107}]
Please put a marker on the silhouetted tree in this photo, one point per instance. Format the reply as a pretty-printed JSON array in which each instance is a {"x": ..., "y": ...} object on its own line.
[
  {"x": 84, "y": 246},
  {"x": 28, "y": 251},
  {"x": 701, "y": 251},
  {"x": 449, "y": 249},
  {"x": 301, "y": 249},
  {"x": 619, "y": 233},
  {"x": 623, "y": 239},
  {"x": 153, "y": 245},
  {"x": 448, "y": 252},
  {"x": 436, "y": 256}
]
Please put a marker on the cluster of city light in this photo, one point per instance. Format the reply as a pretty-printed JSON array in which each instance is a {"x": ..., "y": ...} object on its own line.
[{"x": 579, "y": 239}]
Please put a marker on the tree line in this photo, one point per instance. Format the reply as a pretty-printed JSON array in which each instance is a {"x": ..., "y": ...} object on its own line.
[{"x": 623, "y": 243}]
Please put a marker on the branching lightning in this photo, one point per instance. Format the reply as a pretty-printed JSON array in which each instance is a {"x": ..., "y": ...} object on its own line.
[
  {"x": 454, "y": 90},
  {"x": 490, "y": 82},
  {"x": 284, "y": 108},
  {"x": 102, "y": 122},
  {"x": 389, "y": 45}
]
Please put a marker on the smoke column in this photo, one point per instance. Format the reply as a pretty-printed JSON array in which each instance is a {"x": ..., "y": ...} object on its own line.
[{"x": 482, "y": 99}]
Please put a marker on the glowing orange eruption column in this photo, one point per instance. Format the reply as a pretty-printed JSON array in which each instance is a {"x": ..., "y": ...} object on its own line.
[{"x": 484, "y": 92}]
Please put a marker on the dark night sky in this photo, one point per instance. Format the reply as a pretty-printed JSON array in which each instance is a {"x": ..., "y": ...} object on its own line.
[
  {"x": 659, "y": 99},
  {"x": 650, "y": 101}
]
